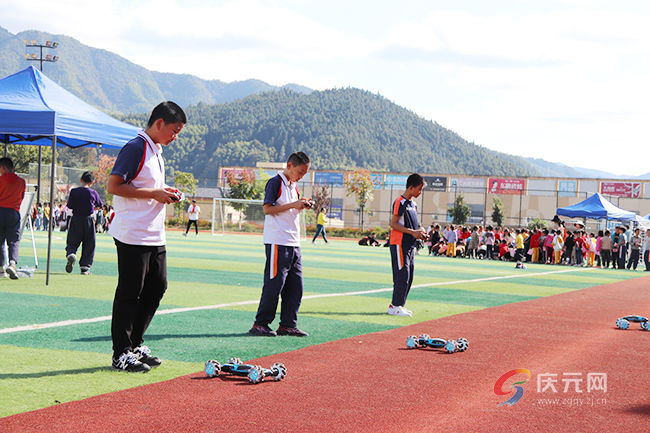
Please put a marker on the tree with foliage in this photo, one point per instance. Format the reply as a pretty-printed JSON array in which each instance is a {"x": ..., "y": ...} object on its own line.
[
  {"x": 185, "y": 183},
  {"x": 360, "y": 184},
  {"x": 102, "y": 173},
  {"x": 244, "y": 187},
  {"x": 498, "y": 213},
  {"x": 321, "y": 197},
  {"x": 537, "y": 223},
  {"x": 460, "y": 211}
]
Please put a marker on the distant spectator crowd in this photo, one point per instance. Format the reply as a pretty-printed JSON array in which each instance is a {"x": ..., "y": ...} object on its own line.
[
  {"x": 59, "y": 214},
  {"x": 558, "y": 246}
]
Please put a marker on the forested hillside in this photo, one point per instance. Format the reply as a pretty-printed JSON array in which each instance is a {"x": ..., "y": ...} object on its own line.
[{"x": 338, "y": 129}]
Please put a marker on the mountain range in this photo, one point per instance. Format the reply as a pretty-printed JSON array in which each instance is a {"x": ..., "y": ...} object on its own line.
[{"x": 128, "y": 88}]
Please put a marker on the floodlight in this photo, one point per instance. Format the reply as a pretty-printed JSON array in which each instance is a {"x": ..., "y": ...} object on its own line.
[
  {"x": 55, "y": 44},
  {"x": 55, "y": 58}
]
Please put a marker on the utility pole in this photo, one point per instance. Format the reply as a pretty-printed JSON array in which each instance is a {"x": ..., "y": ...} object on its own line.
[{"x": 33, "y": 58}]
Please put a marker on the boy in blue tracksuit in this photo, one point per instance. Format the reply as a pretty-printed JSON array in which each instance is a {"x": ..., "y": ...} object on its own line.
[
  {"x": 283, "y": 269},
  {"x": 405, "y": 230}
]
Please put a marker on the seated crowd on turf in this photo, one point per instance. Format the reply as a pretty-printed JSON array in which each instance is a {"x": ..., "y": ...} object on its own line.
[{"x": 549, "y": 246}]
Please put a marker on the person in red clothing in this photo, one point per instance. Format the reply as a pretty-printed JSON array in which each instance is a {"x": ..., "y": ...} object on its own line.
[
  {"x": 534, "y": 245},
  {"x": 12, "y": 191},
  {"x": 504, "y": 252}
]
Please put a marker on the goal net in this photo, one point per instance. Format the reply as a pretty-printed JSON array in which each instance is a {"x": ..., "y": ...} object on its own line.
[{"x": 241, "y": 216}]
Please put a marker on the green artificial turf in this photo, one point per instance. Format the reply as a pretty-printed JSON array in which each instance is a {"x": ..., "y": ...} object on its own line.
[{"x": 41, "y": 367}]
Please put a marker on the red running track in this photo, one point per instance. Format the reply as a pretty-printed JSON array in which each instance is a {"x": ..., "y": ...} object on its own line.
[{"x": 371, "y": 383}]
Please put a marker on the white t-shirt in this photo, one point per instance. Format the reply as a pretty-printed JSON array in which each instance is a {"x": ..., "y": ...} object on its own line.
[
  {"x": 193, "y": 212},
  {"x": 140, "y": 221},
  {"x": 282, "y": 228}
]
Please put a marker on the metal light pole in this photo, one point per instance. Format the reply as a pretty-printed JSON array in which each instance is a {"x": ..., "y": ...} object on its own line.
[{"x": 41, "y": 59}]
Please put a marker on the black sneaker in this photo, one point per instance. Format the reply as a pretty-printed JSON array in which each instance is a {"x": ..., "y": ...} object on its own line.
[
  {"x": 128, "y": 361},
  {"x": 71, "y": 259},
  {"x": 262, "y": 330},
  {"x": 85, "y": 270},
  {"x": 144, "y": 356},
  {"x": 295, "y": 332}
]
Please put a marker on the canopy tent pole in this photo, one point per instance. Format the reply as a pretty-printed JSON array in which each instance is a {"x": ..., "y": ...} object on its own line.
[
  {"x": 49, "y": 226},
  {"x": 38, "y": 182}
]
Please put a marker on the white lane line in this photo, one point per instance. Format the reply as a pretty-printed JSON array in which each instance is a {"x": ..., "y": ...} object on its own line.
[{"x": 235, "y": 304}]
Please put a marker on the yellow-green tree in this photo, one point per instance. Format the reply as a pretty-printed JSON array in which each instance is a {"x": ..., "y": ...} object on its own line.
[
  {"x": 359, "y": 184},
  {"x": 185, "y": 183}
]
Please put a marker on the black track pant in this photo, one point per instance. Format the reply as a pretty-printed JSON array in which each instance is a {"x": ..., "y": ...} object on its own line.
[
  {"x": 634, "y": 259},
  {"x": 189, "y": 224},
  {"x": 81, "y": 231},
  {"x": 141, "y": 285}
]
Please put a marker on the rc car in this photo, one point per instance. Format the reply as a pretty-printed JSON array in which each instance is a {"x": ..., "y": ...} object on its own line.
[
  {"x": 624, "y": 322},
  {"x": 450, "y": 346},
  {"x": 255, "y": 373}
]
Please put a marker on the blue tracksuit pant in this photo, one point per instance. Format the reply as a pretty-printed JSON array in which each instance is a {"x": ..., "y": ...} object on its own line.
[
  {"x": 402, "y": 261},
  {"x": 282, "y": 278}
]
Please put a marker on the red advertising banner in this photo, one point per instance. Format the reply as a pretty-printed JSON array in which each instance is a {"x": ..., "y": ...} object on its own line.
[
  {"x": 621, "y": 189},
  {"x": 506, "y": 186}
]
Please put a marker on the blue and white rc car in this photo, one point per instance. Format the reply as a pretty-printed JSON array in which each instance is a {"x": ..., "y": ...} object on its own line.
[
  {"x": 624, "y": 322},
  {"x": 255, "y": 373},
  {"x": 450, "y": 346}
]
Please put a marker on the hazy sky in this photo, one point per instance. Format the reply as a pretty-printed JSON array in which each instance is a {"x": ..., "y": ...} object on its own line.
[{"x": 566, "y": 81}]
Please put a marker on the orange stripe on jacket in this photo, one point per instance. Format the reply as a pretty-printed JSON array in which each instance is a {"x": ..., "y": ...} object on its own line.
[{"x": 395, "y": 236}]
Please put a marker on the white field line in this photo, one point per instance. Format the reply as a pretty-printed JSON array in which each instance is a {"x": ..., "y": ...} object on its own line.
[{"x": 234, "y": 304}]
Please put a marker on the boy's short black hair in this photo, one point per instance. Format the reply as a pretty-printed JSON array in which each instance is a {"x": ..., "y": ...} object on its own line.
[
  {"x": 7, "y": 163},
  {"x": 414, "y": 180},
  {"x": 88, "y": 177},
  {"x": 169, "y": 112},
  {"x": 298, "y": 158}
]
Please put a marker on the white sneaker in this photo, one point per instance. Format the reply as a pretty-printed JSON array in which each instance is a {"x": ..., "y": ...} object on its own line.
[
  {"x": 72, "y": 258},
  {"x": 12, "y": 271},
  {"x": 398, "y": 311}
]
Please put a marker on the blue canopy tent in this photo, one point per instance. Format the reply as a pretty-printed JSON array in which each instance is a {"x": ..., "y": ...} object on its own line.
[
  {"x": 596, "y": 207},
  {"x": 36, "y": 111}
]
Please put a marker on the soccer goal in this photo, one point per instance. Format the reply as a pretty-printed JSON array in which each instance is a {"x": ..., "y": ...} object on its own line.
[{"x": 242, "y": 216}]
